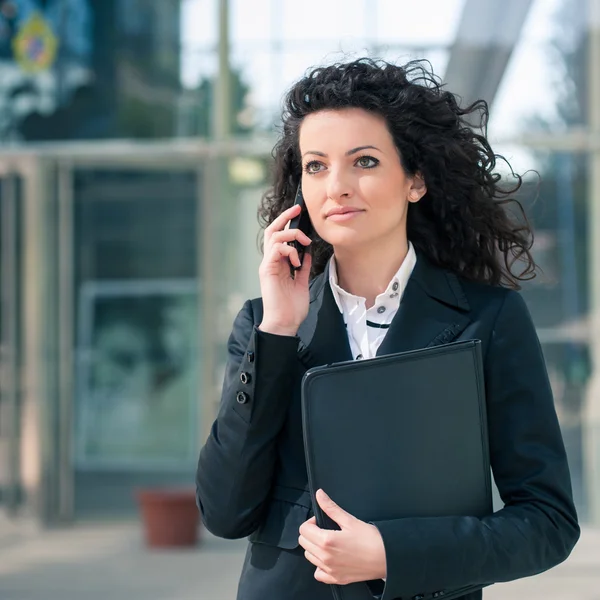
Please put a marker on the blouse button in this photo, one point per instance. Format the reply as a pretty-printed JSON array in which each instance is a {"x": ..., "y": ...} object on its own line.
[
  {"x": 359, "y": 356},
  {"x": 395, "y": 286},
  {"x": 381, "y": 310}
]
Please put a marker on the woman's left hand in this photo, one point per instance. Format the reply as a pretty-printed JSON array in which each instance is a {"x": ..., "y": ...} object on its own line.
[{"x": 355, "y": 553}]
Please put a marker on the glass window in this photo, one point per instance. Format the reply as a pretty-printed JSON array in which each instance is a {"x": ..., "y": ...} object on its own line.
[
  {"x": 276, "y": 50},
  {"x": 326, "y": 25},
  {"x": 544, "y": 86},
  {"x": 555, "y": 199},
  {"x": 137, "y": 319},
  {"x": 403, "y": 22}
]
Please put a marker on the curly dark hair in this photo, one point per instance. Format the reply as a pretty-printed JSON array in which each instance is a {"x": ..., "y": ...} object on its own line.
[{"x": 464, "y": 222}]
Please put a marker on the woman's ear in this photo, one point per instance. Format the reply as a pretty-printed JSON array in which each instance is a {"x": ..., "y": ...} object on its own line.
[{"x": 417, "y": 188}]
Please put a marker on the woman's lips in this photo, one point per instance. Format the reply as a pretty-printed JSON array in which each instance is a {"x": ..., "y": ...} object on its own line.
[{"x": 345, "y": 216}]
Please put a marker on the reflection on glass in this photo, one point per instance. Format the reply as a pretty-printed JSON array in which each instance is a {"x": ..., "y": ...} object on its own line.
[
  {"x": 137, "y": 399},
  {"x": 556, "y": 203},
  {"x": 557, "y": 206},
  {"x": 137, "y": 319},
  {"x": 545, "y": 84}
]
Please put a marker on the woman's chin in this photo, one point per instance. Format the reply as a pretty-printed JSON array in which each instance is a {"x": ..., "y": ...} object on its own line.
[{"x": 344, "y": 239}]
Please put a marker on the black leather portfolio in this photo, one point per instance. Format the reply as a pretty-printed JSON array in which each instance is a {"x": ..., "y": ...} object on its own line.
[{"x": 400, "y": 435}]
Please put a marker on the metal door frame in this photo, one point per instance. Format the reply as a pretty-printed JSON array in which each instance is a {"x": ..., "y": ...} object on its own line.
[
  {"x": 8, "y": 317},
  {"x": 65, "y": 171},
  {"x": 47, "y": 308},
  {"x": 45, "y": 467}
]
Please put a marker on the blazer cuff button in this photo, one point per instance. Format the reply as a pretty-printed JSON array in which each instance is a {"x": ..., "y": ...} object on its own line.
[
  {"x": 242, "y": 397},
  {"x": 245, "y": 377}
]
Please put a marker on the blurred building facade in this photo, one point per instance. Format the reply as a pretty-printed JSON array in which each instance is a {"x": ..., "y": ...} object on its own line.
[
  {"x": 136, "y": 145},
  {"x": 89, "y": 69}
]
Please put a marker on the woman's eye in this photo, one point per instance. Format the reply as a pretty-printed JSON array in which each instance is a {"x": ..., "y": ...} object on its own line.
[
  {"x": 367, "y": 162},
  {"x": 313, "y": 167}
]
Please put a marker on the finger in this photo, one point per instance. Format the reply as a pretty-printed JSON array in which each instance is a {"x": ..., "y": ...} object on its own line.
[
  {"x": 311, "y": 547},
  {"x": 286, "y": 235},
  {"x": 325, "y": 577},
  {"x": 283, "y": 250},
  {"x": 303, "y": 274},
  {"x": 310, "y": 530},
  {"x": 310, "y": 557},
  {"x": 279, "y": 223},
  {"x": 307, "y": 524},
  {"x": 338, "y": 514},
  {"x": 290, "y": 235}
]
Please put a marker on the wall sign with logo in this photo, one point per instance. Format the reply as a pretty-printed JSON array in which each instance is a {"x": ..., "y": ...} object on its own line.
[{"x": 35, "y": 45}]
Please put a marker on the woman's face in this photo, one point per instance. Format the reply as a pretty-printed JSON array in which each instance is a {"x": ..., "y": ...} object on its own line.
[{"x": 355, "y": 188}]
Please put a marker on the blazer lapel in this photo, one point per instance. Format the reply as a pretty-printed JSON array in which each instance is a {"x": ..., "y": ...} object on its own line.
[
  {"x": 433, "y": 311},
  {"x": 323, "y": 335}
]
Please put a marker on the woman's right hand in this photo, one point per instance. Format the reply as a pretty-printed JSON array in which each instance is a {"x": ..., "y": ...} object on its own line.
[{"x": 285, "y": 300}]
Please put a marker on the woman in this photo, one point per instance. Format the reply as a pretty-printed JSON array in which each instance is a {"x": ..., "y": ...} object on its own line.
[{"x": 413, "y": 247}]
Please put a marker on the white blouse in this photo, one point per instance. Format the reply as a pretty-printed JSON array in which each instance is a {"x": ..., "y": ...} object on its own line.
[{"x": 367, "y": 328}]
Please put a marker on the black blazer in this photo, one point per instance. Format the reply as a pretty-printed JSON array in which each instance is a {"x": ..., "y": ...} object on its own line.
[{"x": 251, "y": 478}]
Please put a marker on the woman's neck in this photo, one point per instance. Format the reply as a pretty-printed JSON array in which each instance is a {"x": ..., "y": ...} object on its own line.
[{"x": 367, "y": 272}]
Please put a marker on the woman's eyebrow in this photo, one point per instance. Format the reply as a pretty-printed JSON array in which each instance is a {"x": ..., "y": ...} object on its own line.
[
  {"x": 349, "y": 153},
  {"x": 359, "y": 148}
]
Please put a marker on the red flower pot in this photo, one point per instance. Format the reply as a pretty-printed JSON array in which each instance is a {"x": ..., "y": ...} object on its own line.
[{"x": 170, "y": 517}]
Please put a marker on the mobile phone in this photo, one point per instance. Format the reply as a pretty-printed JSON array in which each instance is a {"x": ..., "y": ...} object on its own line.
[{"x": 303, "y": 223}]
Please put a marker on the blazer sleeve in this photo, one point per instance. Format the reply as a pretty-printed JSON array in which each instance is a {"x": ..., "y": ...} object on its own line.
[
  {"x": 537, "y": 528},
  {"x": 236, "y": 463}
]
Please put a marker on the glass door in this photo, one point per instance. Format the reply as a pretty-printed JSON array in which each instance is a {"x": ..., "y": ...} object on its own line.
[{"x": 136, "y": 305}]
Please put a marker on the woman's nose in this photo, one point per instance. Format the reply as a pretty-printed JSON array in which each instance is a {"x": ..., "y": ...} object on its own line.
[{"x": 338, "y": 185}]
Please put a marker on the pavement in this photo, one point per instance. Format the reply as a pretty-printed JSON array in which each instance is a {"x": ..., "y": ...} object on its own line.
[{"x": 108, "y": 561}]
